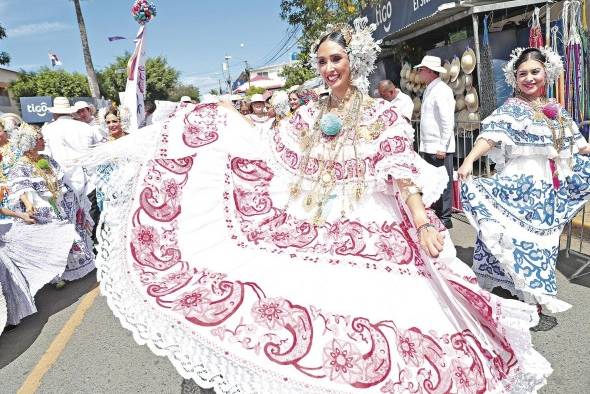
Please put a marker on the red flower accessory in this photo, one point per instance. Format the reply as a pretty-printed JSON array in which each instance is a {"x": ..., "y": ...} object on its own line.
[{"x": 551, "y": 110}]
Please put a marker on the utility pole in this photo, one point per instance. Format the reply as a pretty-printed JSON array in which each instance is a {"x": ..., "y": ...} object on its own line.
[
  {"x": 247, "y": 72},
  {"x": 229, "y": 89}
]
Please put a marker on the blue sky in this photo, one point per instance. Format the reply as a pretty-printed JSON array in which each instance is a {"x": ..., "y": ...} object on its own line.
[{"x": 194, "y": 35}]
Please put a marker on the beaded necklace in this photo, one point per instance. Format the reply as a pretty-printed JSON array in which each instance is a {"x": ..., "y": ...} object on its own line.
[
  {"x": 325, "y": 181},
  {"x": 42, "y": 169}
]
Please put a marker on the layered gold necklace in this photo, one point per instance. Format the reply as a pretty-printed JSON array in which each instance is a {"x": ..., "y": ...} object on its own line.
[
  {"x": 42, "y": 168},
  {"x": 557, "y": 125},
  {"x": 324, "y": 182}
]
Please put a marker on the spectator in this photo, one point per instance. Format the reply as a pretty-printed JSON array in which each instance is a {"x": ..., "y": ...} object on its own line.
[
  {"x": 294, "y": 101},
  {"x": 388, "y": 91},
  {"x": 437, "y": 120},
  {"x": 244, "y": 108}
]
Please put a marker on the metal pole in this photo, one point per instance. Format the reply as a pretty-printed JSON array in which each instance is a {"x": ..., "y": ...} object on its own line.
[{"x": 547, "y": 25}]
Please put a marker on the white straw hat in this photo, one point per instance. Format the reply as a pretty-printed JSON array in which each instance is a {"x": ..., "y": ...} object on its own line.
[
  {"x": 468, "y": 61},
  {"x": 455, "y": 69},
  {"x": 472, "y": 100},
  {"x": 257, "y": 98},
  {"x": 186, "y": 99},
  {"x": 446, "y": 77},
  {"x": 433, "y": 63},
  {"x": 61, "y": 105}
]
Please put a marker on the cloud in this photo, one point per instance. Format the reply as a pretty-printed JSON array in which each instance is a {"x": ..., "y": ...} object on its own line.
[{"x": 36, "y": 28}]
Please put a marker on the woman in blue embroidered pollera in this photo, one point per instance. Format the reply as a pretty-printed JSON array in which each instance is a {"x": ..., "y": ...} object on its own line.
[{"x": 541, "y": 181}]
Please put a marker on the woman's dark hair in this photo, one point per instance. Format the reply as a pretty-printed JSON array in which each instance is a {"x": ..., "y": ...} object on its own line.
[
  {"x": 335, "y": 36},
  {"x": 530, "y": 54},
  {"x": 112, "y": 111}
]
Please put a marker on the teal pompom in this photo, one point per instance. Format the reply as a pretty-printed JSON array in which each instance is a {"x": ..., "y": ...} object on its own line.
[{"x": 330, "y": 124}]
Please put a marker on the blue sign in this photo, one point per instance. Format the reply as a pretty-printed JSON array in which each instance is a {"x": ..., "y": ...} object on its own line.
[
  {"x": 36, "y": 109},
  {"x": 391, "y": 18}
]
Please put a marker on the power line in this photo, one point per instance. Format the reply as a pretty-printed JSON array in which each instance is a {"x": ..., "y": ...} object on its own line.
[{"x": 289, "y": 43}]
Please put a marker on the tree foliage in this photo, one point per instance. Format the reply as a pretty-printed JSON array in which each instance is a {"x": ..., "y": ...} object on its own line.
[
  {"x": 313, "y": 16},
  {"x": 252, "y": 90},
  {"x": 48, "y": 82},
  {"x": 161, "y": 78},
  {"x": 296, "y": 74},
  {"x": 4, "y": 57},
  {"x": 184, "y": 90},
  {"x": 214, "y": 92}
]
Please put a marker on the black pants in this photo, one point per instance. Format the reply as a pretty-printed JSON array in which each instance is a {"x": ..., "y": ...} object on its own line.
[
  {"x": 444, "y": 206},
  {"x": 94, "y": 213}
]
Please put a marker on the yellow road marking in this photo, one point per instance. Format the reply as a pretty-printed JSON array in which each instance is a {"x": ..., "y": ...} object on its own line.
[{"x": 33, "y": 381}]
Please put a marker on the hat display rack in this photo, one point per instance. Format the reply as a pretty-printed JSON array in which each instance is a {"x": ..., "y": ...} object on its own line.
[
  {"x": 412, "y": 85},
  {"x": 487, "y": 83}
]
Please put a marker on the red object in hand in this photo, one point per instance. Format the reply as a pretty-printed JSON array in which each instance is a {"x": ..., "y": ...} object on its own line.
[{"x": 553, "y": 167}]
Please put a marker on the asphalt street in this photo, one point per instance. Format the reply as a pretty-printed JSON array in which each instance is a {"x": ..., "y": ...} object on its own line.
[{"x": 75, "y": 344}]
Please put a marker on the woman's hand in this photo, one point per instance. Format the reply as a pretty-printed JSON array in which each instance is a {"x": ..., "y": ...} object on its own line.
[
  {"x": 431, "y": 240},
  {"x": 28, "y": 219},
  {"x": 466, "y": 169},
  {"x": 585, "y": 150}
]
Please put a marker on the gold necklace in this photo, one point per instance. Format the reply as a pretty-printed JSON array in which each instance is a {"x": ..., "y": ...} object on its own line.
[
  {"x": 558, "y": 135},
  {"x": 48, "y": 176},
  {"x": 325, "y": 181}
]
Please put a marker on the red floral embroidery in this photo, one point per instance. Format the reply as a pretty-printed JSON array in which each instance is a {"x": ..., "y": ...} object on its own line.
[
  {"x": 354, "y": 350},
  {"x": 341, "y": 362}
]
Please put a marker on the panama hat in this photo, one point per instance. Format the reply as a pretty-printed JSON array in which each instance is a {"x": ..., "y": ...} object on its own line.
[
  {"x": 455, "y": 69},
  {"x": 468, "y": 61},
  {"x": 433, "y": 63},
  {"x": 472, "y": 100},
  {"x": 402, "y": 83},
  {"x": 446, "y": 77},
  {"x": 78, "y": 105},
  {"x": 257, "y": 98},
  {"x": 405, "y": 68},
  {"x": 459, "y": 102},
  {"x": 417, "y": 104},
  {"x": 186, "y": 99},
  {"x": 458, "y": 85},
  {"x": 468, "y": 80},
  {"x": 61, "y": 105},
  {"x": 466, "y": 122}
]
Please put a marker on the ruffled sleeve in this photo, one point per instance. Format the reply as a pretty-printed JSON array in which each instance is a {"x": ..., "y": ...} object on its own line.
[
  {"x": 516, "y": 132},
  {"x": 396, "y": 158}
]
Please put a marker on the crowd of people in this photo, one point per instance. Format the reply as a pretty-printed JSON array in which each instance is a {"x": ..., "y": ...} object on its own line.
[
  {"x": 285, "y": 243},
  {"x": 49, "y": 208}
]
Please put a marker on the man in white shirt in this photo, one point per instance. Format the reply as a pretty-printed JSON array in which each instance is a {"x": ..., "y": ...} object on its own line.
[
  {"x": 84, "y": 113},
  {"x": 437, "y": 136},
  {"x": 65, "y": 139},
  {"x": 400, "y": 100}
]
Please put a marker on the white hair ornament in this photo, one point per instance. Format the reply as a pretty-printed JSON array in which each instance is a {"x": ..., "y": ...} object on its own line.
[
  {"x": 553, "y": 65},
  {"x": 25, "y": 137},
  {"x": 361, "y": 47}
]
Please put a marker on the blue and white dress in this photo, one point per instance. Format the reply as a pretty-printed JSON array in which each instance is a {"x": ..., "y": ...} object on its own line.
[
  {"x": 67, "y": 209},
  {"x": 520, "y": 212}
]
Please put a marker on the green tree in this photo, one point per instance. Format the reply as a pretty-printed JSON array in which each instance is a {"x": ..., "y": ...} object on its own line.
[
  {"x": 214, "y": 92},
  {"x": 47, "y": 82},
  {"x": 252, "y": 90},
  {"x": 313, "y": 16},
  {"x": 184, "y": 90},
  {"x": 4, "y": 57},
  {"x": 161, "y": 78},
  {"x": 296, "y": 74}
]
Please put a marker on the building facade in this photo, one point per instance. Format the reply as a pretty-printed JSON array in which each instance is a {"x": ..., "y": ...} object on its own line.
[{"x": 7, "y": 101}]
